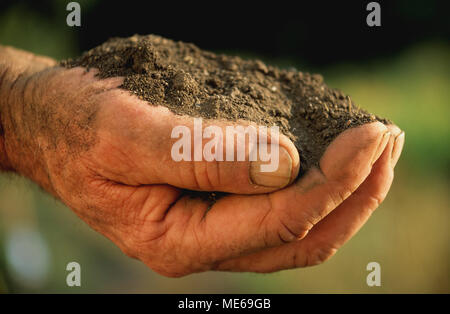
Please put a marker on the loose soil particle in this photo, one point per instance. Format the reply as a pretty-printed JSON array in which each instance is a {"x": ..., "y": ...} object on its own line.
[{"x": 190, "y": 81}]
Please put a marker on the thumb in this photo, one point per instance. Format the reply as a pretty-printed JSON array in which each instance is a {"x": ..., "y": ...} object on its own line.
[
  {"x": 196, "y": 154},
  {"x": 239, "y": 157}
]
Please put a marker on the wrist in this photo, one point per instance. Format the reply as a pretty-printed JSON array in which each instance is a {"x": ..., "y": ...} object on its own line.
[{"x": 18, "y": 71}]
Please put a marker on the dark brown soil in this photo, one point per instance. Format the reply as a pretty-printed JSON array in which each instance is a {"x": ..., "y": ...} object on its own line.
[{"x": 191, "y": 81}]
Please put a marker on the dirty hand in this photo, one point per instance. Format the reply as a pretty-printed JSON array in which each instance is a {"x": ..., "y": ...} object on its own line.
[{"x": 107, "y": 155}]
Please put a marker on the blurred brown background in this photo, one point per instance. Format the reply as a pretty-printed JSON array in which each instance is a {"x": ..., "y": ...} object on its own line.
[{"x": 400, "y": 70}]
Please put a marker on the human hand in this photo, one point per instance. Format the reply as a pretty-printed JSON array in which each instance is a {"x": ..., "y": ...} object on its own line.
[{"x": 106, "y": 155}]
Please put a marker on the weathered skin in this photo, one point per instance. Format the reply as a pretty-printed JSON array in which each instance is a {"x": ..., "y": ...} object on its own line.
[{"x": 106, "y": 155}]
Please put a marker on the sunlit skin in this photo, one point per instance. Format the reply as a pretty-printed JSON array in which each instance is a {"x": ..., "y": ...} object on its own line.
[{"x": 106, "y": 155}]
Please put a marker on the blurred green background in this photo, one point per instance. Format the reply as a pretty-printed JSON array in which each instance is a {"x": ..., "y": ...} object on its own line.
[{"x": 408, "y": 235}]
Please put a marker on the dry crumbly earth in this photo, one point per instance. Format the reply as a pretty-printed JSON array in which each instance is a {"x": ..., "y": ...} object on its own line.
[{"x": 199, "y": 83}]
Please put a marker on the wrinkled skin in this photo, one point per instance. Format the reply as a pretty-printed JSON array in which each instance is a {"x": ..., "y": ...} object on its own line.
[{"x": 106, "y": 155}]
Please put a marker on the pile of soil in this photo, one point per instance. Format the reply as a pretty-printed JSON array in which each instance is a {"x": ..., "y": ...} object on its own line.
[{"x": 199, "y": 83}]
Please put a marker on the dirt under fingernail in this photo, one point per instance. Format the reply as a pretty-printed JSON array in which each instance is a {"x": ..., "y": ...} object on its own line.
[{"x": 198, "y": 83}]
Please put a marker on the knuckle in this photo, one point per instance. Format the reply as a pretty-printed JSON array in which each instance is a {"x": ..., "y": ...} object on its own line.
[
  {"x": 212, "y": 173},
  {"x": 280, "y": 227},
  {"x": 350, "y": 177},
  {"x": 205, "y": 175},
  {"x": 374, "y": 202},
  {"x": 290, "y": 231},
  {"x": 320, "y": 253},
  {"x": 337, "y": 194},
  {"x": 299, "y": 260},
  {"x": 193, "y": 176},
  {"x": 198, "y": 174}
]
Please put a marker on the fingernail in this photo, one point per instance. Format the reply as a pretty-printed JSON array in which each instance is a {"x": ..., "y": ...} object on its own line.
[
  {"x": 278, "y": 178},
  {"x": 398, "y": 147},
  {"x": 381, "y": 146}
]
